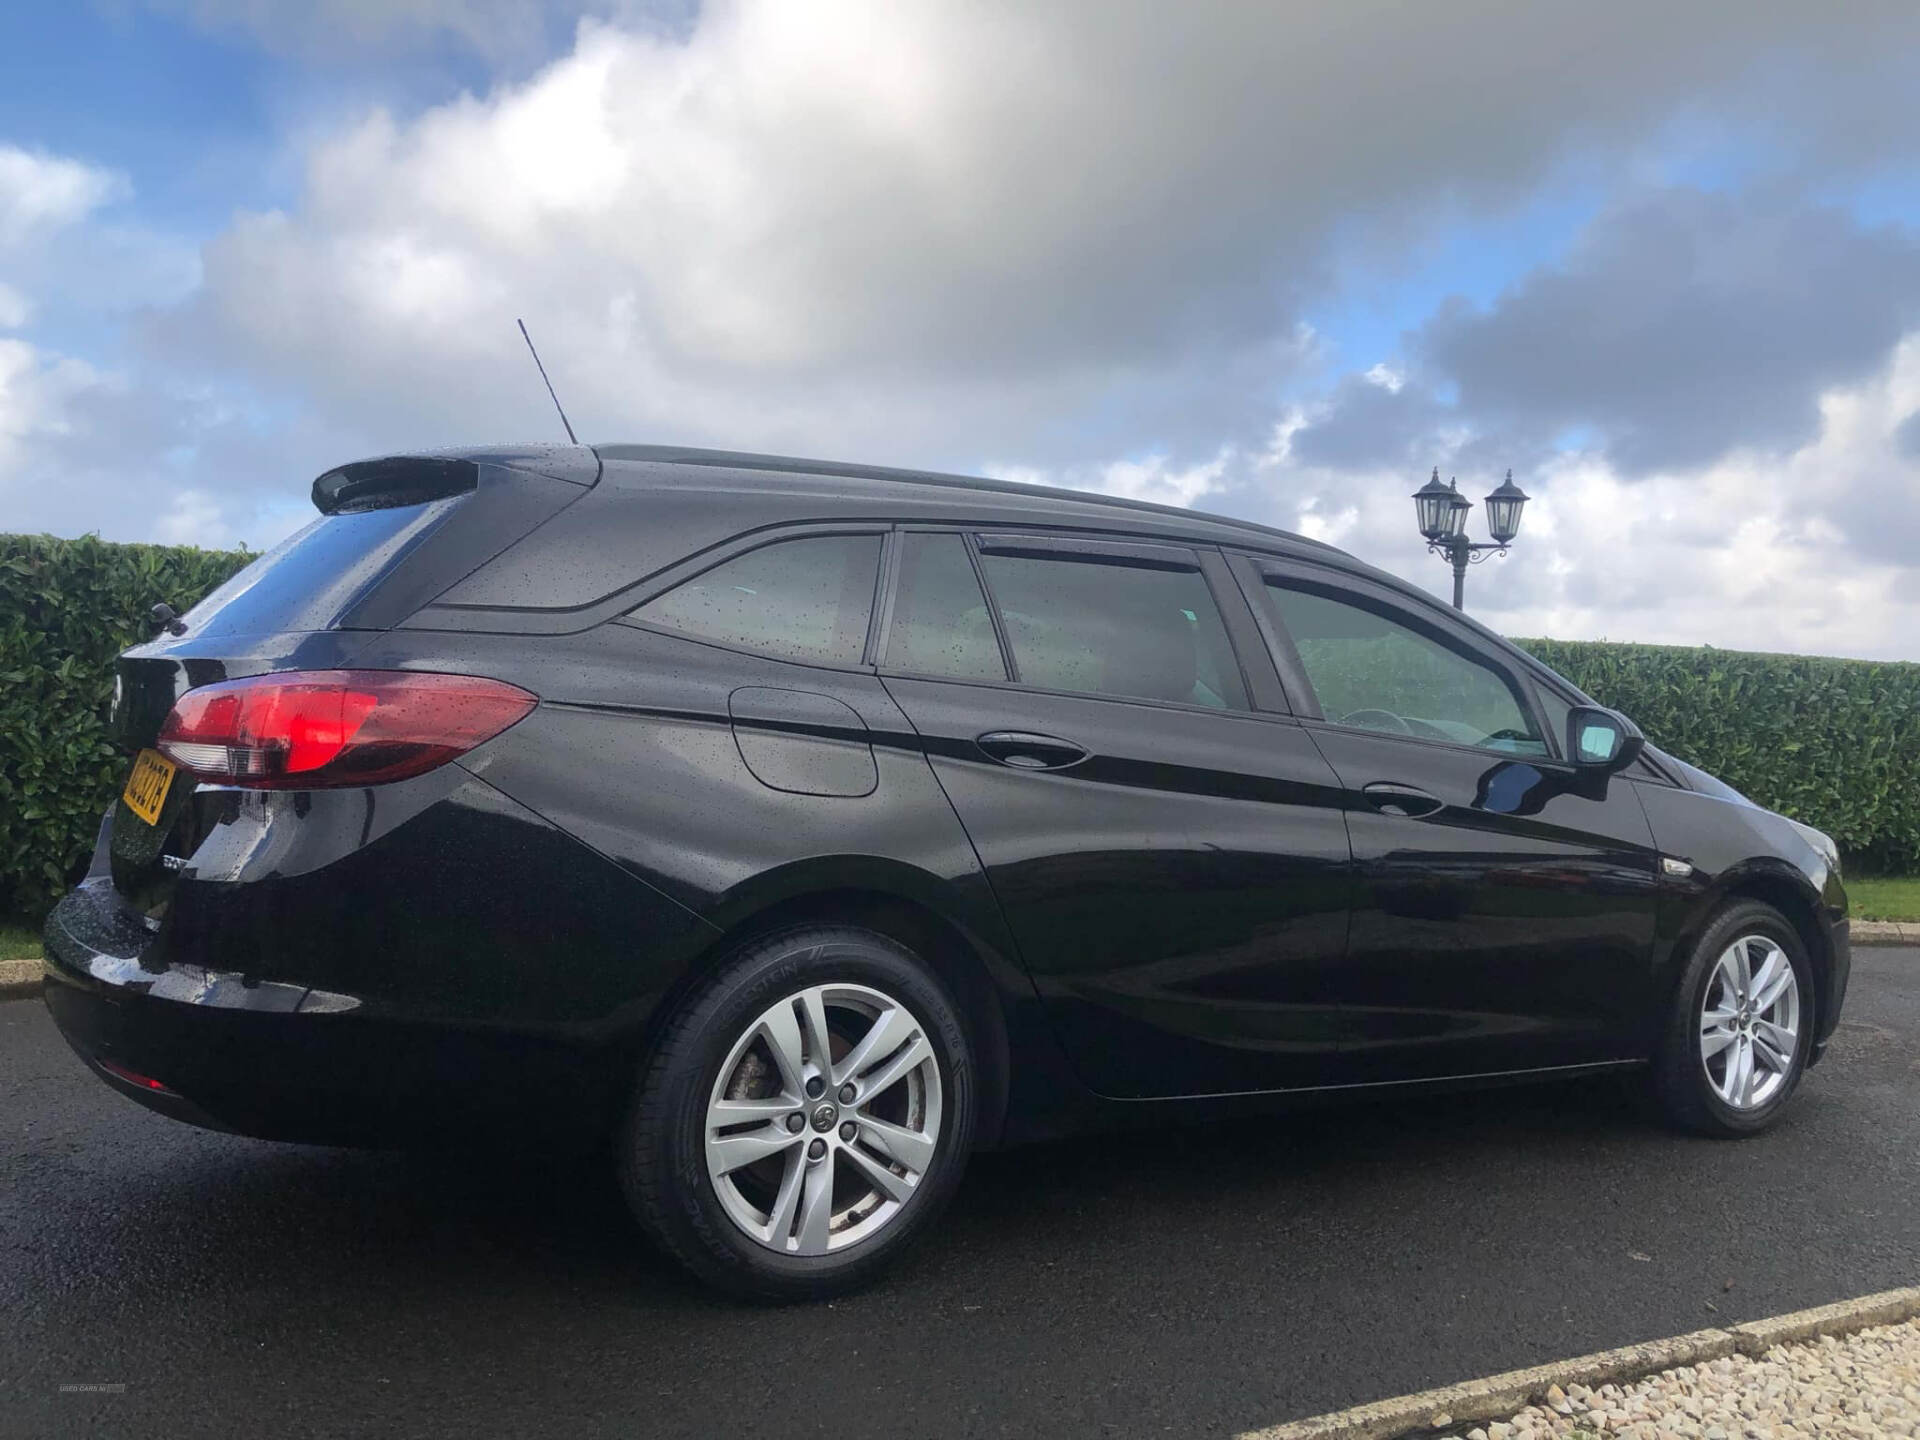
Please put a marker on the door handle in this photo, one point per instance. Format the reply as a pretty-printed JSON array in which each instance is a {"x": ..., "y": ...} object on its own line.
[
  {"x": 1405, "y": 802},
  {"x": 1026, "y": 751}
]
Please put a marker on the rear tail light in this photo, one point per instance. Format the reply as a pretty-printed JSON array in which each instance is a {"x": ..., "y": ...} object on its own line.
[{"x": 304, "y": 729}]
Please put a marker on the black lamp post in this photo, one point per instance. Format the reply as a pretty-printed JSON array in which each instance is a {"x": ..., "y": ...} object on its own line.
[{"x": 1441, "y": 511}]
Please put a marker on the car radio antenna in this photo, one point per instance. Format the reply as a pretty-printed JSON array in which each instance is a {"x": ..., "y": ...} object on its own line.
[{"x": 543, "y": 375}]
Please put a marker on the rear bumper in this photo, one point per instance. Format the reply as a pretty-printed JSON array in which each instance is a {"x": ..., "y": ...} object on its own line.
[
  {"x": 288, "y": 1062},
  {"x": 402, "y": 963}
]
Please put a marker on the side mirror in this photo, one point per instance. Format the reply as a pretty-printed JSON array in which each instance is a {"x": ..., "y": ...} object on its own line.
[{"x": 1603, "y": 740}]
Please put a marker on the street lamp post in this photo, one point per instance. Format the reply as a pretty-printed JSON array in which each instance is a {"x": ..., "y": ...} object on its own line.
[{"x": 1441, "y": 511}]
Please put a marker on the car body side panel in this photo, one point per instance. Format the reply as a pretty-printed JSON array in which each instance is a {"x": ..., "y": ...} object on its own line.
[
  {"x": 1509, "y": 929},
  {"x": 633, "y": 750},
  {"x": 461, "y": 906},
  {"x": 639, "y": 748},
  {"x": 1505, "y": 901},
  {"x": 554, "y": 884},
  {"x": 1180, "y": 896},
  {"x": 1733, "y": 846}
]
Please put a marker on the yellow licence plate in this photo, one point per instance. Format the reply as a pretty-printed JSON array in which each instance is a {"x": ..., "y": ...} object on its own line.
[{"x": 147, "y": 786}]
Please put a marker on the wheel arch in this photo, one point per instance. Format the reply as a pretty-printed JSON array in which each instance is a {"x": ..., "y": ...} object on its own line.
[
  {"x": 910, "y": 906},
  {"x": 1777, "y": 884}
]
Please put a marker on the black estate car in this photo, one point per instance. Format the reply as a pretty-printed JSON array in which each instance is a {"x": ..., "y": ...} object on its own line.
[{"x": 803, "y": 827}]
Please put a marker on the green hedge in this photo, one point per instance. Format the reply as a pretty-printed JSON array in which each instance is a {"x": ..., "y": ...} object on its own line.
[
  {"x": 67, "y": 607},
  {"x": 1834, "y": 743}
]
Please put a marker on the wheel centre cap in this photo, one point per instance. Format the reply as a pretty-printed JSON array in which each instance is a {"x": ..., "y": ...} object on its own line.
[{"x": 824, "y": 1116}]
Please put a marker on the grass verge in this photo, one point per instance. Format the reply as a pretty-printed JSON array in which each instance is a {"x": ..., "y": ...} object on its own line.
[
  {"x": 19, "y": 941},
  {"x": 1894, "y": 897}
]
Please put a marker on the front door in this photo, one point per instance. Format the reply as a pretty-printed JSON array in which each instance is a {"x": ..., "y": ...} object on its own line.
[
  {"x": 1172, "y": 860},
  {"x": 1504, "y": 904}
]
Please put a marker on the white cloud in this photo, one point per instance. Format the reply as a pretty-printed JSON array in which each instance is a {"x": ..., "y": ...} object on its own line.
[
  {"x": 36, "y": 390},
  {"x": 1812, "y": 551},
  {"x": 778, "y": 228},
  {"x": 1685, "y": 324},
  {"x": 194, "y": 517},
  {"x": 81, "y": 442},
  {"x": 64, "y": 248},
  {"x": 1031, "y": 237},
  {"x": 41, "y": 193},
  {"x": 139, "y": 457}
]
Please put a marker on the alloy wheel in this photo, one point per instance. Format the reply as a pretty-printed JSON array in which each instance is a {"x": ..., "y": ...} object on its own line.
[
  {"x": 823, "y": 1119},
  {"x": 1750, "y": 1023}
]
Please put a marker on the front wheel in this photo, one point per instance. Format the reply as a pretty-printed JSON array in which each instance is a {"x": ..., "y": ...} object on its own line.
[
  {"x": 804, "y": 1118},
  {"x": 1741, "y": 1026}
]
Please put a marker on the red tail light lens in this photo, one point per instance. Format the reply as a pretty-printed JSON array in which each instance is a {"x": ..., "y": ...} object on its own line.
[{"x": 304, "y": 729}]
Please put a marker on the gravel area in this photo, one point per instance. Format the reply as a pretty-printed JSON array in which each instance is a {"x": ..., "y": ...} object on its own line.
[{"x": 1863, "y": 1386}]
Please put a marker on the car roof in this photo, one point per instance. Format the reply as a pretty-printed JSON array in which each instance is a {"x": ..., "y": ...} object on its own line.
[
  {"x": 1012, "y": 502},
  {"x": 803, "y": 487},
  {"x": 1073, "y": 505}
]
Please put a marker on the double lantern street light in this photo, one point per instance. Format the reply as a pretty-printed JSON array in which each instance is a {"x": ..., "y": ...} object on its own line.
[{"x": 1442, "y": 513}]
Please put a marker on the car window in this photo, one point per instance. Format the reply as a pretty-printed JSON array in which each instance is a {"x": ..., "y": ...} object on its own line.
[
  {"x": 941, "y": 625},
  {"x": 798, "y": 599},
  {"x": 311, "y": 580},
  {"x": 1371, "y": 671},
  {"x": 1556, "y": 711},
  {"x": 1106, "y": 628}
]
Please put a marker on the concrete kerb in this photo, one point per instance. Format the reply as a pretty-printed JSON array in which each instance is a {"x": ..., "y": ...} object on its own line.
[
  {"x": 1885, "y": 932},
  {"x": 1496, "y": 1397},
  {"x": 19, "y": 978}
]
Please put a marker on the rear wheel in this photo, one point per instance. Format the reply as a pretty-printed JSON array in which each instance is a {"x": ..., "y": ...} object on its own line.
[
  {"x": 805, "y": 1116},
  {"x": 1737, "y": 1038}
]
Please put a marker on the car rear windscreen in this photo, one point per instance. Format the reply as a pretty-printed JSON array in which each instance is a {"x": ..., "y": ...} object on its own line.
[{"x": 310, "y": 580}]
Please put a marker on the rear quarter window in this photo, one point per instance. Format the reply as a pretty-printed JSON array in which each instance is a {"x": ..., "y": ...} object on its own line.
[{"x": 809, "y": 600}]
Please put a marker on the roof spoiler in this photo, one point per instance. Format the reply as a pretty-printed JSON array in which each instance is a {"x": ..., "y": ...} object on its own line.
[{"x": 392, "y": 480}]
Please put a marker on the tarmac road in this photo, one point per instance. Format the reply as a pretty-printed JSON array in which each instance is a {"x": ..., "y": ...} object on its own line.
[{"x": 1196, "y": 1282}]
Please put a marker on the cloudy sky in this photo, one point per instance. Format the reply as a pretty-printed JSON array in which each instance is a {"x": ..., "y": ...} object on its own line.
[{"x": 1275, "y": 260}]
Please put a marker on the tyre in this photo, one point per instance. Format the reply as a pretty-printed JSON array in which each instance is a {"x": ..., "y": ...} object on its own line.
[
  {"x": 1736, "y": 1040},
  {"x": 804, "y": 1117}
]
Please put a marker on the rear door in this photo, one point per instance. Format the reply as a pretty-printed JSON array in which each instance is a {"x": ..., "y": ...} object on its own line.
[
  {"x": 1504, "y": 912},
  {"x": 1166, "y": 843}
]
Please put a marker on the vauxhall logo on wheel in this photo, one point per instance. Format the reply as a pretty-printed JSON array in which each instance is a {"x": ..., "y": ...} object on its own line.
[{"x": 823, "y": 1117}]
